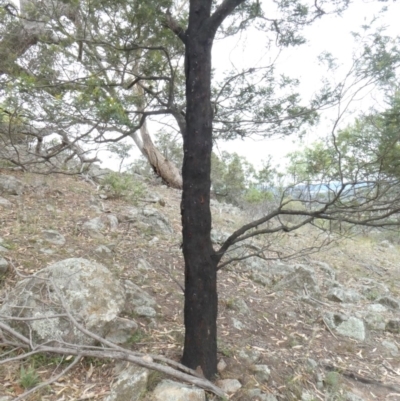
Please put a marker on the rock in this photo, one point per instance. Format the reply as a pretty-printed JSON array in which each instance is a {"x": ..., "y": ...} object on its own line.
[
  {"x": 218, "y": 236},
  {"x": 237, "y": 324},
  {"x": 80, "y": 282},
  {"x": 353, "y": 328},
  {"x": 47, "y": 251},
  {"x": 386, "y": 244},
  {"x": 3, "y": 249},
  {"x": 307, "y": 396},
  {"x": 392, "y": 347},
  {"x": 144, "y": 265},
  {"x": 135, "y": 296},
  {"x": 262, "y": 373},
  {"x": 145, "y": 311},
  {"x": 151, "y": 217},
  {"x": 240, "y": 306},
  {"x": 54, "y": 237},
  {"x": 340, "y": 294},
  {"x": 103, "y": 250},
  {"x": 376, "y": 308},
  {"x": 327, "y": 270},
  {"x": 249, "y": 356},
  {"x": 5, "y": 203},
  {"x": 121, "y": 331},
  {"x": 391, "y": 302},
  {"x": 302, "y": 278},
  {"x": 221, "y": 365},
  {"x": 98, "y": 173},
  {"x": 94, "y": 227},
  {"x": 131, "y": 384},
  {"x": 3, "y": 266},
  {"x": 375, "y": 321},
  {"x": 229, "y": 386},
  {"x": 256, "y": 395},
  {"x": 312, "y": 363},
  {"x": 261, "y": 279},
  {"x": 353, "y": 397},
  {"x": 169, "y": 390},
  {"x": 157, "y": 221},
  {"x": 393, "y": 326},
  {"x": 10, "y": 185}
]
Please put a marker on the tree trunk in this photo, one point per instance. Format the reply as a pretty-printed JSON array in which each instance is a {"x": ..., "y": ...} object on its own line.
[{"x": 201, "y": 299}]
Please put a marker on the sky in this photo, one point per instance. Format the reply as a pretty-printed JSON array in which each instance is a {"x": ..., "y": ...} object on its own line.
[
  {"x": 328, "y": 34},
  {"x": 331, "y": 34}
]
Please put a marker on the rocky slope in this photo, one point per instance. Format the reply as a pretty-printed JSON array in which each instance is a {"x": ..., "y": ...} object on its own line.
[{"x": 320, "y": 327}]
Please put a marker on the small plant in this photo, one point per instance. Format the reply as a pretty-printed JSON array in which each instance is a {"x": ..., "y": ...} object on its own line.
[
  {"x": 154, "y": 378},
  {"x": 333, "y": 380},
  {"x": 28, "y": 377},
  {"x": 136, "y": 337},
  {"x": 123, "y": 185}
]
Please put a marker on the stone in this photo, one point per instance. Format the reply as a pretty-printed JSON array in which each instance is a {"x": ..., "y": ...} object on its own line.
[
  {"x": 3, "y": 249},
  {"x": 325, "y": 268},
  {"x": 221, "y": 365},
  {"x": 149, "y": 217},
  {"x": 229, "y": 386},
  {"x": 47, "y": 251},
  {"x": 130, "y": 385},
  {"x": 393, "y": 326},
  {"x": 250, "y": 356},
  {"x": 145, "y": 311},
  {"x": 261, "y": 279},
  {"x": 340, "y": 294},
  {"x": 353, "y": 328},
  {"x": 144, "y": 265},
  {"x": 3, "y": 266},
  {"x": 168, "y": 390},
  {"x": 390, "y": 302},
  {"x": 98, "y": 173},
  {"x": 353, "y": 397},
  {"x": 237, "y": 324},
  {"x": 157, "y": 221},
  {"x": 218, "y": 236},
  {"x": 256, "y": 395},
  {"x": 377, "y": 308},
  {"x": 391, "y": 346},
  {"x": 375, "y": 321},
  {"x": 302, "y": 278},
  {"x": 54, "y": 237},
  {"x": 240, "y": 306},
  {"x": 135, "y": 296},
  {"x": 121, "y": 331},
  {"x": 10, "y": 185},
  {"x": 103, "y": 250},
  {"x": 262, "y": 373},
  {"x": 80, "y": 282},
  {"x": 5, "y": 203}
]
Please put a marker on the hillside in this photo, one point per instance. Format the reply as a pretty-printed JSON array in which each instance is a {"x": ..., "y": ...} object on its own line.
[{"x": 323, "y": 326}]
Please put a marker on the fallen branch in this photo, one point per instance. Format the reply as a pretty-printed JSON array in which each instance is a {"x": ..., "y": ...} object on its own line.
[{"x": 107, "y": 350}]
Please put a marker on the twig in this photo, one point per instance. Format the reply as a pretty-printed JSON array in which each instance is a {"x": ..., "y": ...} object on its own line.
[{"x": 326, "y": 324}]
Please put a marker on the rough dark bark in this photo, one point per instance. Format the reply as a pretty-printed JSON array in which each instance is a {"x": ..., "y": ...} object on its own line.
[{"x": 201, "y": 298}]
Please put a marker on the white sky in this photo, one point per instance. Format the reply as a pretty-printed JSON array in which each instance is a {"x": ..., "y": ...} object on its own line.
[{"x": 331, "y": 34}]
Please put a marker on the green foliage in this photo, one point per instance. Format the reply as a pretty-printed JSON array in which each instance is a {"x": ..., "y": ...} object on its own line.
[
  {"x": 230, "y": 176},
  {"x": 123, "y": 185},
  {"x": 28, "y": 377}
]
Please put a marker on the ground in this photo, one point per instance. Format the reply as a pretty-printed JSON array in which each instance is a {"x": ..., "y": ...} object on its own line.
[{"x": 283, "y": 332}]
